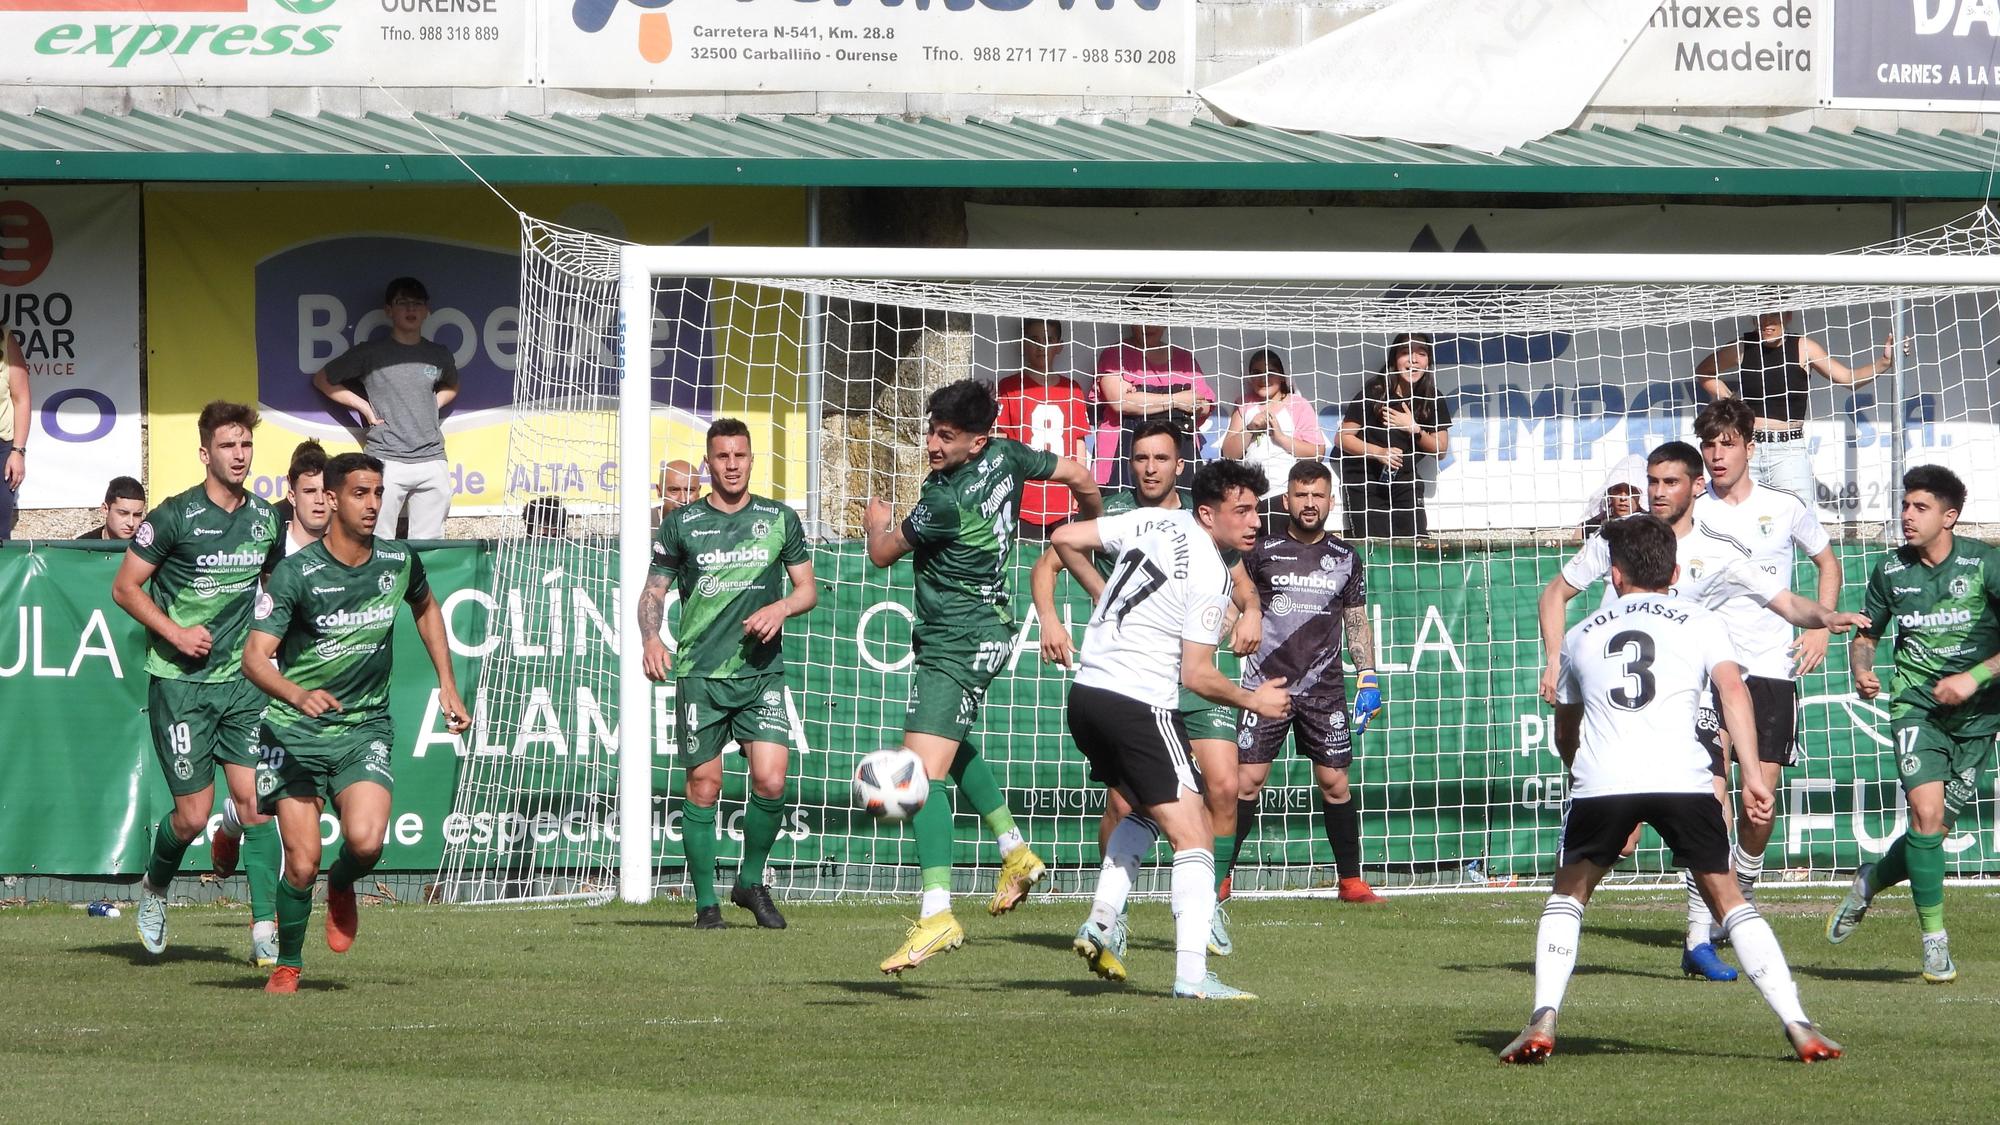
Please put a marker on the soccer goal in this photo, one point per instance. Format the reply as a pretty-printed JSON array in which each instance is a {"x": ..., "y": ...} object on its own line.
[{"x": 1554, "y": 370}]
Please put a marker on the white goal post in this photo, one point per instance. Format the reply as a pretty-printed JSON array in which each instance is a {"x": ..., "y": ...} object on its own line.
[{"x": 1341, "y": 300}]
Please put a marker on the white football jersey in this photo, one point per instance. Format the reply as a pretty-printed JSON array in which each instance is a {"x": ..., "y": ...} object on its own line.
[
  {"x": 1641, "y": 670},
  {"x": 1763, "y": 530},
  {"x": 1712, "y": 572},
  {"x": 1167, "y": 585}
]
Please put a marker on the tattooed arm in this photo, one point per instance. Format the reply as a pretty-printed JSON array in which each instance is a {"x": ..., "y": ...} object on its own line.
[{"x": 652, "y": 610}]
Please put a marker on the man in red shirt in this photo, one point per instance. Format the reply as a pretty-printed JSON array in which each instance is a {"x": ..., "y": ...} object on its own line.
[{"x": 1047, "y": 412}]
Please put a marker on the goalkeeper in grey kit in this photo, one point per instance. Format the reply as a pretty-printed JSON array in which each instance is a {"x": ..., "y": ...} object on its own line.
[{"x": 1310, "y": 585}]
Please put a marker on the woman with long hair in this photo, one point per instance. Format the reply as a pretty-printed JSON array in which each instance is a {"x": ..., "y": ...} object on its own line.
[
  {"x": 1397, "y": 419},
  {"x": 1274, "y": 429}
]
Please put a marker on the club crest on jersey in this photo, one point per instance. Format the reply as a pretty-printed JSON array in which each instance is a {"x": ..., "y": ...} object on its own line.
[
  {"x": 1328, "y": 563},
  {"x": 1961, "y": 586},
  {"x": 267, "y": 782},
  {"x": 1765, "y": 525},
  {"x": 1695, "y": 568},
  {"x": 772, "y": 699},
  {"x": 1910, "y": 764},
  {"x": 760, "y": 529},
  {"x": 183, "y": 769},
  {"x": 385, "y": 582},
  {"x": 263, "y": 530}
]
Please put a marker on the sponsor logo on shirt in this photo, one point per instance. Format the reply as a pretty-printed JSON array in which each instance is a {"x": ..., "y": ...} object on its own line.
[
  {"x": 1316, "y": 581},
  {"x": 310, "y": 569},
  {"x": 1906, "y": 589},
  {"x": 198, "y": 531},
  {"x": 1939, "y": 619},
  {"x": 734, "y": 555},
  {"x": 392, "y": 556},
  {"x": 697, "y": 533},
  {"x": 329, "y": 589},
  {"x": 264, "y": 605},
  {"x": 230, "y": 558},
  {"x": 194, "y": 510},
  {"x": 348, "y": 618},
  {"x": 144, "y": 536}
]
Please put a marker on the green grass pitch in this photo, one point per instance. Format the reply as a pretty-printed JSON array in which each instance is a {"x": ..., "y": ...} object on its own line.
[{"x": 1368, "y": 1014}]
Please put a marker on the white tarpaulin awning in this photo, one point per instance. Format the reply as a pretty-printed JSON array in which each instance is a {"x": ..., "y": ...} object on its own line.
[{"x": 1484, "y": 74}]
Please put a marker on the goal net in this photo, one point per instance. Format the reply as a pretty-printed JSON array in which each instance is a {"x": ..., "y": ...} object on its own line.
[{"x": 1554, "y": 372}]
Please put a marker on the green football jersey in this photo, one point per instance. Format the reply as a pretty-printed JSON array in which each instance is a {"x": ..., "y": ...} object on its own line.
[
  {"x": 727, "y": 566},
  {"x": 334, "y": 625},
  {"x": 206, "y": 564},
  {"x": 1947, "y": 619},
  {"x": 963, "y": 528}
]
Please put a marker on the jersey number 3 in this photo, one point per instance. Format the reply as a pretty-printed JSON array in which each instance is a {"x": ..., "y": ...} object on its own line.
[
  {"x": 1639, "y": 687},
  {"x": 1124, "y": 594}
]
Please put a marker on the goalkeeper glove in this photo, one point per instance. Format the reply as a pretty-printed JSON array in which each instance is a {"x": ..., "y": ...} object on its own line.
[{"x": 1367, "y": 700}]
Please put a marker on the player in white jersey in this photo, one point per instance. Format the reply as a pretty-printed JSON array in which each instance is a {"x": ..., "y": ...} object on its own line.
[
  {"x": 1713, "y": 573},
  {"x": 1765, "y": 525},
  {"x": 1632, "y": 676},
  {"x": 1155, "y": 631}
]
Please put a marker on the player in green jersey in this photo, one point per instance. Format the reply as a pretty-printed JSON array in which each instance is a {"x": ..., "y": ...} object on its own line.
[
  {"x": 729, "y": 554},
  {"x": 1156, "y": 467},
  {"x": 961, "y": 532},
  {"x": 1943, "y": 593},
  {"x": 189, "y": 577},
  {"x": 320, "y": 646}
]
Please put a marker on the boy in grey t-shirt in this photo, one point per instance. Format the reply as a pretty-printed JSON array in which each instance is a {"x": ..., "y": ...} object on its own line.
[{"x": 403, "y": 382}]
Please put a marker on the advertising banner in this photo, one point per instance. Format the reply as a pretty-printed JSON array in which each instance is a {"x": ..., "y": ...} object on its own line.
[
  {"x": 300, "y": 278},
  {"x": 1916, "y": 54},
  {"x": 1142, "y": 48},
  {"x": 69, "y": 291},
  {"x": 268, "y": 42},
  {"x": 1461, "y": 769},
  {"x": 1754, "y": 53}
]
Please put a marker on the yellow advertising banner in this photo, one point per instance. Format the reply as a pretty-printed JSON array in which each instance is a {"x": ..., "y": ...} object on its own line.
[{"x": 251, "y": 291}]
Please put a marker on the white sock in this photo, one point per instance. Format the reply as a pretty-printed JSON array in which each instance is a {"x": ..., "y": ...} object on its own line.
[
  {"x": 1130, "y": 840},
  {"x": 1555, "y": 950},
  {"x": 263, "y": 931},
  {"x": 232, "y": 825},
  {"x": 1757, "y": 948},
  {"x": 1009, "y": 841},
  {"x": 1749, "y": 869},
  {"x": 935, "y": 899},
  {"x": 1194, "y": 910},
  {"x": 1701, "y": 923}
]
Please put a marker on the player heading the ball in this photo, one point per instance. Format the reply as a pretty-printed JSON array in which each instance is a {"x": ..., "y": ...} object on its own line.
[
  {"x": 961, "y": 532},
  {"x": 1632, "y": 676},
  {"x": 730, "y": 555}
]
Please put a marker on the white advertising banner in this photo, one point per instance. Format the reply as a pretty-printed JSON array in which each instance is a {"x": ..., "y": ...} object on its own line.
[
  {"x": 268, "y": 42},
  {"x": 1540, "y": 419},
  {"x": 1483, "y": 74},
  {"x": 69, "y": 291},
  {"x": 1748, "y": 53},
  {"x": 1100, "y": 47}
]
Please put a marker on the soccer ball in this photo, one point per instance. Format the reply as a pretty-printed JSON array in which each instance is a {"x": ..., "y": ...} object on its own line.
[{"x": 891, "y": 784}]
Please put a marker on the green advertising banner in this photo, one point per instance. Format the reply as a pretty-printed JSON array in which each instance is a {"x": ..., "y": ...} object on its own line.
[{"x": 1460, "y": 772}]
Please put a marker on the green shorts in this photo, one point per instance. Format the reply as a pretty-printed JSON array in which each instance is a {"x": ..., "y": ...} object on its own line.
[
  {"x": 1925, "y": 754},
  {"x": 953, "y": 669},
  {"x": 320, "y": 763},
  {"x": 714, "y": 713},
  {"x": 1209, "y": 720},
  {"x": 198, "y": 726}
]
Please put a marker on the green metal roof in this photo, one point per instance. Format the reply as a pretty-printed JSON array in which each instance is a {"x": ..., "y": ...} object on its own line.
[{"x": 933, "y": 152}]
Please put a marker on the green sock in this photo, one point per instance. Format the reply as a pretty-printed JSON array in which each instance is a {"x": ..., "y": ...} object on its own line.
[
  {"x": 1891, "y": 869},
  {"x": 975, "y": 779},
  {"x": 698, "y": 841},
  {"x": 262, "y": 855},
  {"x": 168, "y": 849},
  {"x": 347, "y": 870},
  {"x": 932, "y": 828},
  {"x": 295, "y": 906},
  {"x": 1926, "y": 860},
  {"x": 760, "y": 832},
  {"x": 1225, "y": 857}
]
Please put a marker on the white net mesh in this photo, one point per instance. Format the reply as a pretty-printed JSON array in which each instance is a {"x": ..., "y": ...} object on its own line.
[{"x": 1548, "y": 388}]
